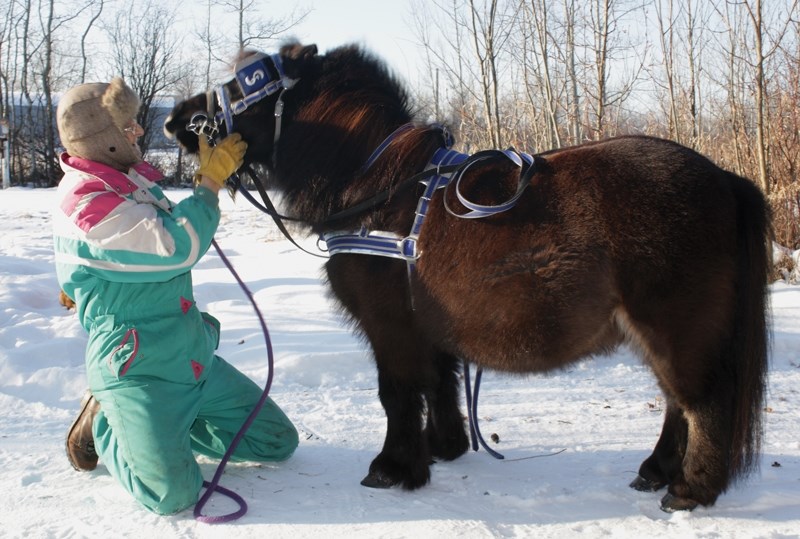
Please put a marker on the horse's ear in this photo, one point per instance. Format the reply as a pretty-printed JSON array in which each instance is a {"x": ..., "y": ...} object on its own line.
[{"x": 296, "y": 58}]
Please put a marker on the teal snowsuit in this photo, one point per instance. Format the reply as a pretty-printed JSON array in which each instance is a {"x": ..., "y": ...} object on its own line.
[{"x": 124, "y": 253}]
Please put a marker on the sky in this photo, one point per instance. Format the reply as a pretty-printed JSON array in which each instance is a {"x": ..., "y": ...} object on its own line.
[{"x": 385, "y": 27}]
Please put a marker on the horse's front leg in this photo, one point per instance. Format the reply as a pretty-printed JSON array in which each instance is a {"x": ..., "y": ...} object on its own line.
[
  {"x": 405, "y": 457},
  {"x": 375, "y": 292},
  {"x": 445, "y": 430}
]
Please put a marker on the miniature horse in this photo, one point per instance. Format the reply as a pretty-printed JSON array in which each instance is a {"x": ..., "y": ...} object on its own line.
[{"x": 630, "y": 240}]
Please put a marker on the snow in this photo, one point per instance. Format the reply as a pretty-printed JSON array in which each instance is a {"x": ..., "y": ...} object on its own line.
[{"x": 573, "y": 440}]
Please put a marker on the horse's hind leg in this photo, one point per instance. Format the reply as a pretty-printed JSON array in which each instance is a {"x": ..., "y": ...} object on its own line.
[
  {"x": 664, "y": 464},
  {"x": 692, "y": 455},
  {"x": 445, "y": 431},
  {"x": 705, "y": 470},
  {"x": 690, "y": 358}
]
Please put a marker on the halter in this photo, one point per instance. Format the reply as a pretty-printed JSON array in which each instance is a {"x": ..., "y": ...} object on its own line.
[{"x": 258, "y": 76}]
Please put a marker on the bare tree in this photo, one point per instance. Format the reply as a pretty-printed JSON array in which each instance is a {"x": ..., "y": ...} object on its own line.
[
  {"x": 24, "y": 83},
  {"x": 785, "y": 143},
  {"x": 601, "y": 24},
  {"x": 766, "y": 37},
  {"x": 50, "y": 23},
  {"x": 441, "y": 31},
  {"x": 666, "y": 34},
  {"x": 484, "y": 26},
  {"x": 680, "y": 48},
  {"x": 7, "y": 16},
  {"x": 693, "y": 54},
  {"x": 14, "y": 17},
  {"x": 251, "y": 31},
  {"x": 754, "y": 12},
  {"x": 47, "y": 68},
  {"x": 762, "y": 53},
  {"x": 573, "y": 99},
  {"x": 97, "y": 7},
  {"x": 6, "y": 104},
  {"x": 490, "y": 26},
  {"x": 147, "y": 56},
  {"x": 211, "y": 40},
  {"x": 536, "y": 25},
  {"x": 606, "y": 17}
]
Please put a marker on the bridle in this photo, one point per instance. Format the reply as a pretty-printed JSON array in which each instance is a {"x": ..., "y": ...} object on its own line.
[{"x": 258, "y": 76}]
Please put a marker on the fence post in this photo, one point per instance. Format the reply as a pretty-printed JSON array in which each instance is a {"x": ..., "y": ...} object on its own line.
[{"x": 5, "y": 153}]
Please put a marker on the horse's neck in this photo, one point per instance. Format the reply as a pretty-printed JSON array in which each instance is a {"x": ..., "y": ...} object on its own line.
[{"x": 337, "y": 186}]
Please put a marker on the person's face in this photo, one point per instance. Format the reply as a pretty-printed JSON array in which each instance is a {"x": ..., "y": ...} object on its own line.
[{"x": 133, "y": 131}]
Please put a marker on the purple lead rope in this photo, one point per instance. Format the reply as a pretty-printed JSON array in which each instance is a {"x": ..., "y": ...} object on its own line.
[
  {"x": 472, "y": 411},
  {"x": 213, "y": 485}
]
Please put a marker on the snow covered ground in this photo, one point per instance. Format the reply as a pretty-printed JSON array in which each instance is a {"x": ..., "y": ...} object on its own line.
[{"x": 572, "y": 440}]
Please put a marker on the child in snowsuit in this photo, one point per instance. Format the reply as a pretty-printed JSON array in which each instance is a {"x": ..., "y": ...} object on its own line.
[{"x": 124, "y": 253}]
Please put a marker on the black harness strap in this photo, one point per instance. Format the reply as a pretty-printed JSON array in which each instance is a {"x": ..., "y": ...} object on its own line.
[
  {"x": 382, "y": 197},
  {"x": 269, "y": 208}
]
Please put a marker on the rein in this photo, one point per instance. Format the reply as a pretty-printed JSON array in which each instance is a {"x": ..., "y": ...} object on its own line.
[{"x": 267, "y": 207}]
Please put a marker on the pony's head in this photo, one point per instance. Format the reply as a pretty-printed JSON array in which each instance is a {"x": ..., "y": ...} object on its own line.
[
  {"x": 312, "y": 120},
  {"x": 286, "y": 104},
  {"x": 251, "y": 103}
]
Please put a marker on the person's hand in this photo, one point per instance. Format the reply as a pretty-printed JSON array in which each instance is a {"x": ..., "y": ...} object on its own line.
[{"x": 218, "y": 163}]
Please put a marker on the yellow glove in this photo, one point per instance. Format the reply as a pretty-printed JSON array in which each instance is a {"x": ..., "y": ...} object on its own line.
[{"x": 219, "y": 162}]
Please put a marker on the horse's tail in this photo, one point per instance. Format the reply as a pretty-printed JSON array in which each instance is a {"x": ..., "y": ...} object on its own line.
[{"x": 750, "y": 343}]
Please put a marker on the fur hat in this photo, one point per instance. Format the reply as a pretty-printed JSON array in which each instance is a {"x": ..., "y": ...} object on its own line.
[{"x": 91, "y": 118}]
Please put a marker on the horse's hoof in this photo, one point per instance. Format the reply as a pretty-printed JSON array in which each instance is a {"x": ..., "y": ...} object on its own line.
[
  {"x": 671, "y": 504},
  {"x": 646, "y": 485},
  {"x": 378, "y": 480}
]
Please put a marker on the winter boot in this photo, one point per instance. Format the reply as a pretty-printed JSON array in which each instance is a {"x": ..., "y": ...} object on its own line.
[{"x": 80, "y": 441}]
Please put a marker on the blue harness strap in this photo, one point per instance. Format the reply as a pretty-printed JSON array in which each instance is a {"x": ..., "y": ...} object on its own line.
[
  {"x": 367, "y": 242},
  {"x": 478, "y": 211},
  {"x": 258, "y": 76},
  {"x": 389, "y": 244},
  {"x": 385, "y": 144}
]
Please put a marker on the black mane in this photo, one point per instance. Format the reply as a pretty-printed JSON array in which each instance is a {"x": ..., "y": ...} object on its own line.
[{"x": 343, "y": 107}]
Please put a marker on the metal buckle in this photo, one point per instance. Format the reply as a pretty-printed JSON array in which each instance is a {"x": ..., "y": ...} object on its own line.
[
  {"x": 201, "y": 125},
  {"x": 408, "y": 247}
]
